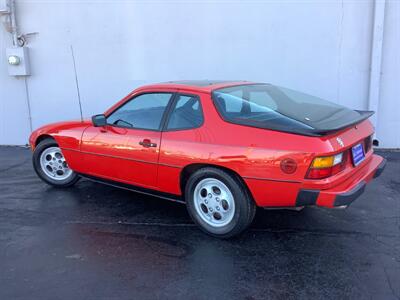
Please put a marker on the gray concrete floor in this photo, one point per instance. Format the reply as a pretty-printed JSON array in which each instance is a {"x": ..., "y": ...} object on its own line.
[{"x": 97, "y": 242}]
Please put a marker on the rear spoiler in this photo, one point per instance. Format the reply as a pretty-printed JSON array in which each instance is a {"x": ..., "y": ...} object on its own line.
[{"x": 364, "y": 114}]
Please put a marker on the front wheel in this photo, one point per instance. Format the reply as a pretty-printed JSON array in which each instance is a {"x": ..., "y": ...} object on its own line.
[
  {"x": 51, "y": 166},
  {"x": 219, "y": 202}
]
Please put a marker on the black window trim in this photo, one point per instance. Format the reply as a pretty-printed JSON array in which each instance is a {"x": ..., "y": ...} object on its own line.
[
  {"x": 164, "y": 116},
  {"x": 171, "y": 110}
]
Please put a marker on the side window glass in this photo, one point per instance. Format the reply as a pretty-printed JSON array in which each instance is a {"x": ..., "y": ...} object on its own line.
[
  {"x": 143, "y": 112},
  {"x": 186, "y": 114}
]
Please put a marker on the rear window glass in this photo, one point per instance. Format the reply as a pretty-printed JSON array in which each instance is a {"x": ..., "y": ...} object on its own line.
[{"x": 274, "y": 107}]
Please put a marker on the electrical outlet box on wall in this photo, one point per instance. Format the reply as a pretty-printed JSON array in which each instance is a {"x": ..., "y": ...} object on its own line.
[{"x": 18, "y": 61}]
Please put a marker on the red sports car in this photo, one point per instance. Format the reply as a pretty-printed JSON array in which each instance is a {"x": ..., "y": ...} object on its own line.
[{"x": 221, "y": 147}]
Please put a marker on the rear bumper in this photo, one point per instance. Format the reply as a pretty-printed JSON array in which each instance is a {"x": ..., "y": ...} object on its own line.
[
  {"x": 344, "y": 194},
  {"x": 380, "y": 168},
  {"x": 283, "y": 194},
  {"x": 347, "y": 198}
]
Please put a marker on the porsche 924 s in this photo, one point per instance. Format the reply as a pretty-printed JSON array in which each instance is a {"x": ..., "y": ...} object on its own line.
[{"x": 223, "y": 148}]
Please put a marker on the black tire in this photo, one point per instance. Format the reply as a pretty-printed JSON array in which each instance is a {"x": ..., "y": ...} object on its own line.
[
  {"x": 43, "y": 145},
  {"x": 244, "y": 205}
]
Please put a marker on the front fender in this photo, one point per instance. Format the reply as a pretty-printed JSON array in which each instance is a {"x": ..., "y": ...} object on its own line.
[{"x": 67, "y": 134}]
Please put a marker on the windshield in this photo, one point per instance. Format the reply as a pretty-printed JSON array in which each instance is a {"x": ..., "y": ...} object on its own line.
[{"x": 274, "y": 107}]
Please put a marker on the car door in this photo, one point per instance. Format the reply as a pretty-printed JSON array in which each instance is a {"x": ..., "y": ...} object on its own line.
[
  {"x": 181, "y": 141},
  {"x": 127, "y": 148}
]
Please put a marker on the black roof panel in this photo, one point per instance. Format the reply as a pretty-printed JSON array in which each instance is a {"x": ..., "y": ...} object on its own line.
[{"x": 201, "y": 82}]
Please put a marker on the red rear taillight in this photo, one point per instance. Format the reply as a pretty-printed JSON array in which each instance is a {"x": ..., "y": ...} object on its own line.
[
  {"x": 314, "y": 173},
  {"x": 323, "y": 167}
]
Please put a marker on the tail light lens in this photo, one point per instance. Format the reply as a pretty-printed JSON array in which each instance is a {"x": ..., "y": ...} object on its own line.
[{"x": 325, "y": 166}]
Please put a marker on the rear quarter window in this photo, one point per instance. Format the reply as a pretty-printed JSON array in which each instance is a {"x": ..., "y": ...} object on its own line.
[{"x": 186, "y": 114}]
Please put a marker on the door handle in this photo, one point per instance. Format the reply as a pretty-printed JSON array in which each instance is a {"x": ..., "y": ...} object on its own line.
[{"x": 147, "y": 143}]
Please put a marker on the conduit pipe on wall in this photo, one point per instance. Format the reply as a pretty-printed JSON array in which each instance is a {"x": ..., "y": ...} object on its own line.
[
  {"x": 13, "y": 22},
  {"x": 376, "y": 59},
  {"x": 10, "y": 24}
]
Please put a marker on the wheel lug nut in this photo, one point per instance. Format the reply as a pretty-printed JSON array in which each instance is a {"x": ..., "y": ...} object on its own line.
[
  {"x": 217, "y": 199},
  {"x": 209, "y": 195},
  {"x": 217, "y": 207},
  {"x": 211, "y": 209},
  {"x": 205, "y": 201}
]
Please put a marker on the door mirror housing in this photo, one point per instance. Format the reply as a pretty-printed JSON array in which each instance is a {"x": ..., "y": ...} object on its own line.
[{"x": 99, "y": 120}]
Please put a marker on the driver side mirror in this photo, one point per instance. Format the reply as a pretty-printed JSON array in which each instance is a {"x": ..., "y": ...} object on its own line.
[{"x": 99, "y": 120}]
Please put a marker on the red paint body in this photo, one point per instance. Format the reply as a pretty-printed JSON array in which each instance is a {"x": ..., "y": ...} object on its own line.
[{"x": 254, "y": 154}]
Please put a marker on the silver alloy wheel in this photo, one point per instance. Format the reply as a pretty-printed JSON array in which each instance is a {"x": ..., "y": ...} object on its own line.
[
  {"x": 214, "y": 202},
  {"x": 53, "y": 164}
]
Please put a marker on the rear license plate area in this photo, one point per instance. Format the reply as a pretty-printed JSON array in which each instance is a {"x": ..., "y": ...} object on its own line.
[{"x": 357, "y": 153}]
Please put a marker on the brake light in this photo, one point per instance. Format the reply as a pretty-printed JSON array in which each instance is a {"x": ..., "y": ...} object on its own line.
[{"x": 326, "y": 166}]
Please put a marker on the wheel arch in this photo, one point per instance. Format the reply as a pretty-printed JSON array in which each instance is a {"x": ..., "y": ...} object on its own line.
[
  {"x": 43, "y": 137},
  {"x": 188, "y": 170}
]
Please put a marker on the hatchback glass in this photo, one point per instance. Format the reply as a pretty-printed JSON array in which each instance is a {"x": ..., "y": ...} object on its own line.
[{"x": 273, "y": 107}]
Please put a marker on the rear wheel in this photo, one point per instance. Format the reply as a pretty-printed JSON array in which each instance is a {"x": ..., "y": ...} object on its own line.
[
  {"x": 51, "y": 166},
  {"x": 218, "y": 202}
]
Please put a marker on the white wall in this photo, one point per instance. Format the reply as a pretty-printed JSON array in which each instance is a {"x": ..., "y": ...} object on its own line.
[
  {"x": 319, "y": 47},
  {"x": 388, "y": 128}
]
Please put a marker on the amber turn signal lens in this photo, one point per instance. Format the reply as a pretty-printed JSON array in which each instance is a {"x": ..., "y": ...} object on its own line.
[
  {"x": 288, "y": 166},
  {"x": 323, "y": 162},
  {"x": 327, "y": 161}
]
